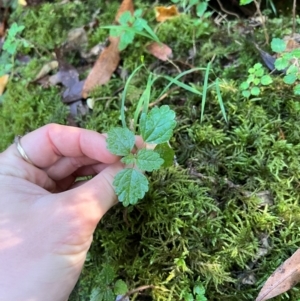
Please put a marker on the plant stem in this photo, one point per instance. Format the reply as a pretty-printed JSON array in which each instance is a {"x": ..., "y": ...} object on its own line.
[
  {"x": 294, "y": 17},
  {"x": 257, "y": 5}
]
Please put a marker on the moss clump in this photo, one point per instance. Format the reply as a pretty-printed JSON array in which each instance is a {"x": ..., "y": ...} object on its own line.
[
  {"x": 26, "y": 108},
  {"x": 235, "y": 189}
]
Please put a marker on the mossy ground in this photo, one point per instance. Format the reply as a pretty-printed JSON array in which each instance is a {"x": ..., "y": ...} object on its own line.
[{"x": 227, "y": 214}]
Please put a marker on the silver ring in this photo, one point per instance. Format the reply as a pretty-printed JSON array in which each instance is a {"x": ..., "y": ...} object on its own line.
[{"x": 21, "y": 150}]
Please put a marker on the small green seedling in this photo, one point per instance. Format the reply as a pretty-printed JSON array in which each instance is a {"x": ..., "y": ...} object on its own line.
[
  {"x": 255, "y": 80},
  {"x": 201, "y": 6},
  {"x": 197, "y": 295},
  {"x": 108, "y": 288},
  {"x": 288, "y": 62},
  {"x": 156, "y": 128},
  {"x": 10, "y": 47},
  {"x": 130, "y": 26}
]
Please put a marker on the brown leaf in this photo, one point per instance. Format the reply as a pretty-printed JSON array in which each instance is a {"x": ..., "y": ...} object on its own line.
[
  {"x": 284, "y": 278},
  {"x": 109, "y": 58},
  {"x": 161, "y": 51},
  {"x": 104, "y": 67},
  {"x": 163, "y": 13},
  {"x": 3, "y": 82}
]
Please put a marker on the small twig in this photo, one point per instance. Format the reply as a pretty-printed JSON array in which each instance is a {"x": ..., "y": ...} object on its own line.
[
  {"x": 257, "y": 5},
  {"x": 136, "y": 290},
  {"x": 294, "y": 17},
  {"x": 227, "y": 11}
]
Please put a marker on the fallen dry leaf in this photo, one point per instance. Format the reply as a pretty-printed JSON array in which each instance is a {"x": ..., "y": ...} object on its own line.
[
  {"x": 109, "y": 58},
  {"x": 3, "y": 82},
  {"x": 46, "y": 69},
  {"x": 161, "y": 51},
  {"x": 104, "y": 67},
  {"x": 284, "y": 278},
  {"x": 163, "y": 13}
]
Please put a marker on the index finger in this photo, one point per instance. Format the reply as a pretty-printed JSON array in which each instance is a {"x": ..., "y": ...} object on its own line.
[{"x": 49, "y": 143}]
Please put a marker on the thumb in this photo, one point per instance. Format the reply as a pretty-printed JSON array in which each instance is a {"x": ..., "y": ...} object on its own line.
[{"x": 96, "y": 196}]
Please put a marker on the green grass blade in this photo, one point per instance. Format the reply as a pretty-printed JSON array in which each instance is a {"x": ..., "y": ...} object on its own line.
[
  {"x": 205, "y": 87},
  {"x": 182, "y": 85},
  {"x": 179, "y": 76},
  {"x": 143, "y": 101},
  {"x": 124, "y": 94},
  {"x": 220, "y": 100}
]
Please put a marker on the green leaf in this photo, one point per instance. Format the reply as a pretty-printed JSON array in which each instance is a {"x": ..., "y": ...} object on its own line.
[
  {"x": 201, "y": 9},
  {"x": 188, "y": 297},
  {"x": 14, "y": 29},
  {"x": 251, "y": 70},
  {"x": 278, "y": 45},
  {"x": 256, "y": 81},
  {"x": 201, "y": 298},
  {"x": 296, "y": 53},
  {"x": 245, "y": 2},
  {"x": 126, "y": 39},
  {"x": 292, "y": 69},
  {"x": 130, "y": 186},
  {"x": 290, "y": 79},
  {"x": 281, "y": 63},
  {"x": 251, "y": 78},
  {"x": 129, "y": 159},
  {"x": 107, "y": 275},
  {"x": 120, "y": 287},
  {"x": 244, "y": 86},
  {"x": 255, "y": 91},
  {"x": 139, "y": 24},
  {"x": 259, "y": 72},
  {"x": 266, "y": 80},
  {"x": 125, "y": 17},
  {"x": 199, "y": 289},
  {"x": 157, "y": 126},
  {"x": 96, "y": 294},
  {"x": 138, "y": 13},
  {"x": 246, "y": 93},
  {"x": 257, "y": 66},
  {"x": 148, "y": 160},
  {"x": 120, "y": 141},
  {"x": 297, "y": 89},
  {"x": 166, "y": 153}
]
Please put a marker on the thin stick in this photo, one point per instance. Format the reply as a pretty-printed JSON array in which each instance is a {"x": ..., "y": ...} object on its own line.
[
  {"x": 294, "y": 17},
  {"x": 227, "y": 11},
  {"x": 257, "y": 5},
  {"x": 136, "y": 290}
]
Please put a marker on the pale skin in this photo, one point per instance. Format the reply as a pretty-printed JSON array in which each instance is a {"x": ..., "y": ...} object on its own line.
[{"x": 46, "y": 220}]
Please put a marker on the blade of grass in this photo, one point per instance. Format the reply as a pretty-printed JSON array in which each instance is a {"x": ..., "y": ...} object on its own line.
[
  {"x": 205, "y": 85},
  {"x": 220, "y": 99},
  {"x": 124, "y": 94},
  {"x": 179, "y": 76},
  {"x": 143, "y": 101},
  {"x": 182, "y": 85}
]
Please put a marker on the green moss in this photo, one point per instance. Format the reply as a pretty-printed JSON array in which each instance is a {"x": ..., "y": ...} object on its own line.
[
  {"x": 235, "y": 185},
  {"x": 27, "y": 107}
]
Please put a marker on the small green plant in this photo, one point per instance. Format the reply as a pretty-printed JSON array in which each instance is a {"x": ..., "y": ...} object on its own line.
[
  {"x": 256, "y": 78},
  {"x": 131, "y": 25},
  {"x": 10, "y": 47},
  {"x": 288, "y": 62},
  {"x": 155, "y": 127},
  {"x": 108, "y": 289},
  {"x": 200, "y": 6},
  {"x": 197, "y": 295}
]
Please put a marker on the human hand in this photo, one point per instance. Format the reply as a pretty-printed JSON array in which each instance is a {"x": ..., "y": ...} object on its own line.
[{"x": 46, "y": 220}]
